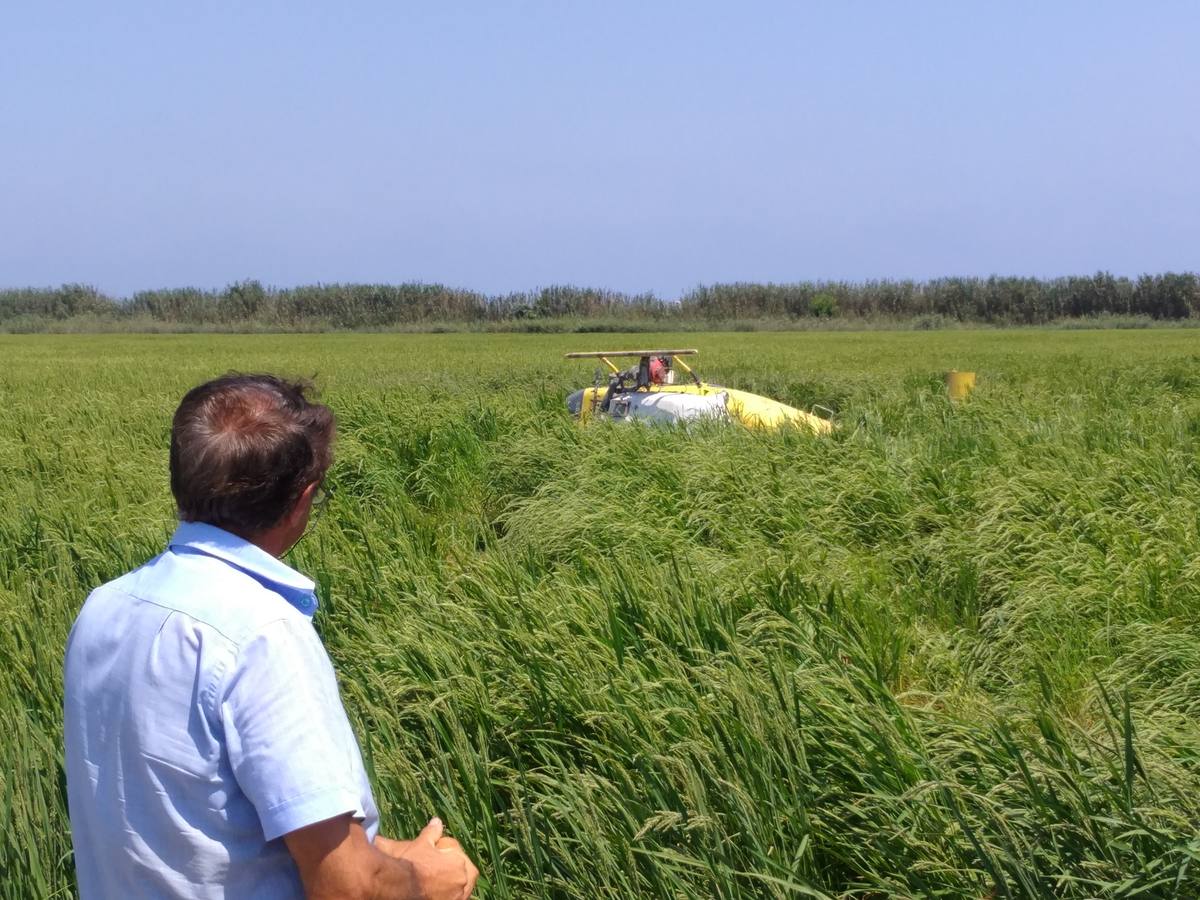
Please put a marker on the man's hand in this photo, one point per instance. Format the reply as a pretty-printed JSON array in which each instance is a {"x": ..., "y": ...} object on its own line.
[
  {"x": 439, "y": 863},
  {"x": 396, "y": 849},
  {"x": 336, "y": 860}
]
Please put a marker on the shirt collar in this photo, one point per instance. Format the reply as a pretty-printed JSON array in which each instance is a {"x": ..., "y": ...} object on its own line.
[{"x": 271, "y": 573}]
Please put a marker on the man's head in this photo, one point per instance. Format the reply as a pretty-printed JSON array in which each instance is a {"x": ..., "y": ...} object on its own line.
[
  {"x": 248, "y": 452},
  {"x": 658, "y": 369}
]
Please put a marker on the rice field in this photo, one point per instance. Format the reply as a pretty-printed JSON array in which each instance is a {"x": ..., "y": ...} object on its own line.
[{"x": 950, "y": 651}]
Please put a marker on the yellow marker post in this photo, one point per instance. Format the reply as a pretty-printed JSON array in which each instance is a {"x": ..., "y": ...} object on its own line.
[{"x": 959, "y": 384}]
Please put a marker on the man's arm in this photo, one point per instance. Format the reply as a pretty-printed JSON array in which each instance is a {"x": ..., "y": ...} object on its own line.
[{"x": 337, "y": 862}]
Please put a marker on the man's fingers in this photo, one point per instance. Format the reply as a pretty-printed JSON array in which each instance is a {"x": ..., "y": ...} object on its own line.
[
  {"x": 472, "y": 877},
  {"x": 432, "y": 832},
  {"x": 433, "y": 835}
]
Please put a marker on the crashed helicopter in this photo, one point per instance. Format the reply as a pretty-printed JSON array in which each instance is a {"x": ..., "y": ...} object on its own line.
[{"x": 651, "y": 392}]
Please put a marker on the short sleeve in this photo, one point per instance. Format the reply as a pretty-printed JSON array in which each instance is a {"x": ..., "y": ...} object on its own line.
[{"x": 290, "y": 745}]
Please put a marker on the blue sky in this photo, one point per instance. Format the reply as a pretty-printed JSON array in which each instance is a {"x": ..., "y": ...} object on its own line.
[{"x": 632, "y": 145}]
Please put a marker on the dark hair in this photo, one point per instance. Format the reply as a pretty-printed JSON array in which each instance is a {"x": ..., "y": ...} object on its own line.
[{"x": 244, "y": 448}]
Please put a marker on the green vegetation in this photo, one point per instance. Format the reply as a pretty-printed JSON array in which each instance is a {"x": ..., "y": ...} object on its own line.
[
  {"x": 248, "y": 306},
  {"x": 949, "y": 651}
]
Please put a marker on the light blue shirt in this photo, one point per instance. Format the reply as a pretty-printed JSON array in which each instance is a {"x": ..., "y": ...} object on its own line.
[{"x": 203, "y": 721}]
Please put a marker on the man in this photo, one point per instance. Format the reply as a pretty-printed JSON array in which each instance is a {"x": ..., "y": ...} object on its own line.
[
  {"x": 659, "y": 367},
  {"x": 207, "y": 750}
]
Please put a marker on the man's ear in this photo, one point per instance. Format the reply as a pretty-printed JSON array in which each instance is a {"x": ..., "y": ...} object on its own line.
[{"x": 303, "y": 503}]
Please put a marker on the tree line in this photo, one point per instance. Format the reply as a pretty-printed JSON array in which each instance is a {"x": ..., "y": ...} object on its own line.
[{"x": 996, "y": 300}]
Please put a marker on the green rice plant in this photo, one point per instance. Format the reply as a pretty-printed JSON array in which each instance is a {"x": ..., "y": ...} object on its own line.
[{"x": 949, "y": 651}]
